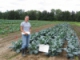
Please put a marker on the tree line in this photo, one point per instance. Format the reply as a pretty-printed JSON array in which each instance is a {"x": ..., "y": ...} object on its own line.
[{"x": 53, "y": 15}]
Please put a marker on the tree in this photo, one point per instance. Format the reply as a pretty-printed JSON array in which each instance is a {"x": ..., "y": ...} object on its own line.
[
  {"x": 58, "y": 14},
  {"x": 52, "y": 14},
  {"x": 0, "y": 15},
  {"x": 73, "y": 16},
  {"x": 21, "y": 14},
  {"x": 44, "y": 15},
  {"x": 78, "y": 16},
  {"x": 65, "y": 16},
  {"x": 5, "y": 15},
  {"x": 13, "y": 15},
  {"x": 33, "y": 14}
]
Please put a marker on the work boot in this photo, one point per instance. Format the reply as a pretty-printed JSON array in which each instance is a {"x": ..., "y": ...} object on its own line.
[
  {"x": 23, "y": 52},
  {"x": 27, "y": 50}
]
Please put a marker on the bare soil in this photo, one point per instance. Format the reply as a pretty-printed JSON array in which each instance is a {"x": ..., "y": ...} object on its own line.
[
  {"x": 5, "y": 42},
  {"x": 7, "y": 54},
  {"x": 77, "y": 30}
]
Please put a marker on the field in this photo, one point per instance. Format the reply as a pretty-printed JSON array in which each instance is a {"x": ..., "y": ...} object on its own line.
[{"x": 9, "y": 31}]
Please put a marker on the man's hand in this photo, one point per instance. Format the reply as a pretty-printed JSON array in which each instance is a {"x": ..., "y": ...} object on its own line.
[{"x": 26, "y": 33}]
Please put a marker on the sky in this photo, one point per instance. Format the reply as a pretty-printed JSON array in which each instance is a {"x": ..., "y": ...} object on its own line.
[{"x": 70, "y": 5}]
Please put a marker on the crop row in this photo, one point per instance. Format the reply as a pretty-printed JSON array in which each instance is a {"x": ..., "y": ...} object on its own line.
[
  {"x": 10, "y": 26},
  {"x": 55, "y": 37}
]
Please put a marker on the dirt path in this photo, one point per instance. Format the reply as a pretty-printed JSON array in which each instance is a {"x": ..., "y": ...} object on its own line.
[
  {"x": 38, "y": 57},
  {"x": 77, "y": 30}
]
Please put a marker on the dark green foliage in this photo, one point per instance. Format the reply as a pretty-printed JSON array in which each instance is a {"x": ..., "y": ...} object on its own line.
[
  {"x": 55, "y": 38},
  {"x": 16, "y": 46},
  {"x": 53, "y": 15}
]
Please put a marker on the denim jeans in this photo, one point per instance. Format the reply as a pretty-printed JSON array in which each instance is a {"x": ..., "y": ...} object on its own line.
[{"x": 25, "y": 41}]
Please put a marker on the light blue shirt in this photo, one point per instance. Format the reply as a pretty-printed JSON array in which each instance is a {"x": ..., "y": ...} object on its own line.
[{"x": 26, "y": 26}]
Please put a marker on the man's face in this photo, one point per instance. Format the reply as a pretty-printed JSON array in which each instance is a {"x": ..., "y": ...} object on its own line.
[{"x": 26, "y": 18}]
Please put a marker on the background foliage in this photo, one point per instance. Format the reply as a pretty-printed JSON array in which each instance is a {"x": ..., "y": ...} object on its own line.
[{"x": 53, "y": 15}]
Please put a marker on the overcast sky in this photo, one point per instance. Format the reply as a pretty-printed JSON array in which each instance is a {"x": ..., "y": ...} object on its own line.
[{"x": 71, "y": 5}]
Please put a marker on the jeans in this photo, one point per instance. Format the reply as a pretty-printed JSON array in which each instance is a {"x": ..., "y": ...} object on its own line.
[{"x": 25, "y": 41}]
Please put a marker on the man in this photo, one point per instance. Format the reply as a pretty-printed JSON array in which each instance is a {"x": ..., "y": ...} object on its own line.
[{"x": 25, "y": 28}]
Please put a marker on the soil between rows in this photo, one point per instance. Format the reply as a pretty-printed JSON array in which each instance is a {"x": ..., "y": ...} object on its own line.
[
  {"x": 5, "y": 42},
  {"x": 7, "y": 54}
]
